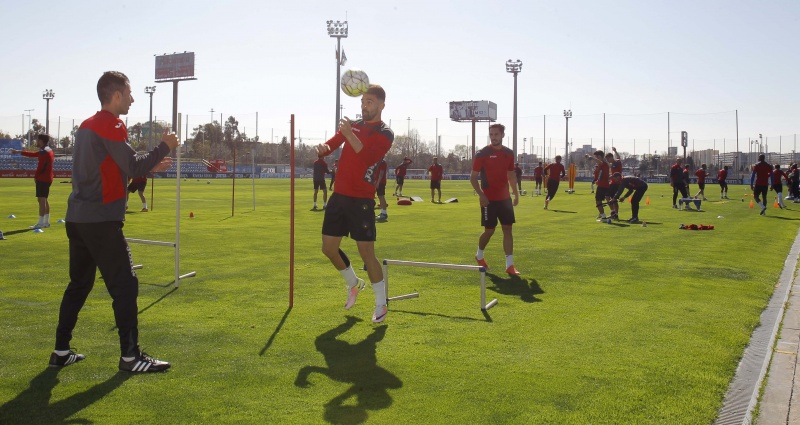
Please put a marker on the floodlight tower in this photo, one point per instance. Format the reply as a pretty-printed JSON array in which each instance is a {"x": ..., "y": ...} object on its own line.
[
  {"x": 338, "y": 30},
  {"x": 29, "y": 124},
  {"x": 514, "y": 67},
  {"x": 48, "y": 95},
  {"x": 567, "y": 116},
  {"x": 150, "y": 90}
]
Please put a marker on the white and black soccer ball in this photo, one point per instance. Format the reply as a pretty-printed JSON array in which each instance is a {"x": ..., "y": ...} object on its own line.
[{"x": 355, "y": 82}]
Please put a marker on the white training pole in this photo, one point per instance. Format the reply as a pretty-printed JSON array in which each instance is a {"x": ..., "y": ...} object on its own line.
[{"x": 178, "y": 217}]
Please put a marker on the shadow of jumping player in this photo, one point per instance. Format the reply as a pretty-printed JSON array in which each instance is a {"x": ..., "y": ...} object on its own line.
[
  {"x": 32, "y": 406},
  {"x": 515, "y": 285},
  {"x": 356, "y": 364}
]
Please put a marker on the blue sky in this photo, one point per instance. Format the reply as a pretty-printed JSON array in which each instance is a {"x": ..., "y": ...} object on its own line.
[{"x": 633, "y": 60}]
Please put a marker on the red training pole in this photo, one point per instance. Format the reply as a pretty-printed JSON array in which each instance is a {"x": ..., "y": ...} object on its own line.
[
  {"x": 233, "y": 187},
  {"x": 291, "y": 221},
  {"x": 152, "y": 189}
]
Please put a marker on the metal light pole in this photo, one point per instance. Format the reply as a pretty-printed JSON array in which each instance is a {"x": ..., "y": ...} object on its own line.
[
  {"x": 567, "y": 116},
  {"x": 338, "y": 30},
  {"x": 150, "y": 90},
  {"x": 514, "y": 67},
  {"x": 29, "y": 124},
  {"x": 48, "y": 95}
]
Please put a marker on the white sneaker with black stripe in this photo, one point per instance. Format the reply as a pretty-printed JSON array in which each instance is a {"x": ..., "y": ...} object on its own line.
[
  {"x": 143, "y": 363},
  {"x": 65, "y": 360}
]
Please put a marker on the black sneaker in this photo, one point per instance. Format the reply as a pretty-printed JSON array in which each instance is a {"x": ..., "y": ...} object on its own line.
[
  {"x": 143, "y": 363},
  {"x": 66, "y": 359}
]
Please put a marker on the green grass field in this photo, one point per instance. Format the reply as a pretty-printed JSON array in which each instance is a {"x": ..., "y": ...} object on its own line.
[{"x": 608, "y": 324}]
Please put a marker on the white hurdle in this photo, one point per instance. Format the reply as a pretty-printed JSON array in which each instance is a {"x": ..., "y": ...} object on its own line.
[
  {"x": 480, "y": 269},
  {"x": 178, "y": 276}
]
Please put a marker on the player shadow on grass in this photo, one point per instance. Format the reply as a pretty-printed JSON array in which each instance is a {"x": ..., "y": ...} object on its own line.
[
  {"x": 517, "y": 286},
  {"x": 14, "y": 232},
  {"x": 356, "y": 364},
  {"x": 563, "y": 211},
  {"x": 32, "y": 406}
]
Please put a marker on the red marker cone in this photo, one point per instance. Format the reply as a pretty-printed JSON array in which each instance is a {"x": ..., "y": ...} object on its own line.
[
  {"x": 191, "y": 214},
  {"x": 751, "y": 204},
  {"x": 775, "y": 205},
  {"x": 648, "y": 201}
]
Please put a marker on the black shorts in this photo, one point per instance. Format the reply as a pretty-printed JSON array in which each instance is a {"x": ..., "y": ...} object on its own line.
[
  {"x": 42, "y": 189},
  {"x": 400, "y": 179},
  {"x": 778, "y": 188},
  {"x": 497, "y": 210},
  {"x": 381, "y": 190},
  {"x": 538, "y": 180},
  {"x": 702, "y": 186},
  {"x": 600, "y": 193},
  {"x": 346, "y": 215},
  {"x": 137, "y": 186},
  {"x": 436, "y": 184},
  {"x": 320, "y": 185}
]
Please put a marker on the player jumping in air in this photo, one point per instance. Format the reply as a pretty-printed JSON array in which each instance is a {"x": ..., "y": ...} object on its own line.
[
  {"x": 352, "y": 205},
  {"x": 495, "y": 166}
]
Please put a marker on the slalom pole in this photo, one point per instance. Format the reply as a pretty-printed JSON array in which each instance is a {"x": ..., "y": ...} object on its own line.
[
  {"x": 291, "y": 219},
  {"x": 152, "y": 190},
  {"x": 233, "y": 186}
]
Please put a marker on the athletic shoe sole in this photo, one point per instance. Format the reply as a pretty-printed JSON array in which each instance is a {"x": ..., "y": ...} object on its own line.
[
  {"x": 352, "y": 294},
  {"x": 380, "y": 314}
]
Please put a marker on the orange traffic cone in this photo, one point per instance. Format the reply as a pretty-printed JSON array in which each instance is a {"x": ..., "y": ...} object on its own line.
[
  {"x": 191, "y": 214},
  {"x": 648, "y": 201},
  {"x": 751, "y": 204},
  {"x": 630, "y": 200},
  {"x": 775, "y": 205}
]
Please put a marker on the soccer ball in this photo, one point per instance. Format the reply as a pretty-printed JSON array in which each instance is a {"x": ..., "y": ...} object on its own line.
[{"x": 355, "y": 82}]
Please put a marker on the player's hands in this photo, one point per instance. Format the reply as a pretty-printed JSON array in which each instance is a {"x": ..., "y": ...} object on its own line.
[
  {"x": 613, "y": 149},
  {"x": 344, "y": 127},
  {"x": 752, "y": 187},
  {"x": 483, "y": 199},
  {"x": 162, "y": 166},
  {"x": 171, "y": 139},
  {"x": 516, "y": 199},
  {"x": 322, "y": 149}
]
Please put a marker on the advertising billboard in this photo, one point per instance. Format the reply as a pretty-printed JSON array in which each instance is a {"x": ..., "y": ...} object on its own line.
[
  {"x": 177, "y": 66},
  {"x": 469, "y": 110}
]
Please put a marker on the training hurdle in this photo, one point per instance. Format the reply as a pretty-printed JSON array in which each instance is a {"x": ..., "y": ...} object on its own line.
[
  {"x": 178, "y": 276},
  {"x": 480, "y": 269}
]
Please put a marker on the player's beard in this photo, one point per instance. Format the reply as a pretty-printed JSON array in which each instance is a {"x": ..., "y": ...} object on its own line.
[{"x": 367, "y": 115}]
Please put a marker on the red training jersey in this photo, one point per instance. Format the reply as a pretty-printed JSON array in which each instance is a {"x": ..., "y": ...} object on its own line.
[
  {"x": 437, "y": 172},
  {"x": 616, "y": 167},
  {"x": 493, "y": 165},
  {"x": 537, "y": 172},
  {"x": 381, "y": 179},
  {"x": 400, "y": 170},
  {"x": 761, "y": 172},
  {"x": 555, "y": 171},
  {"x": 44, "y": 169},
  {"x": 602, "y": 175},
  {"x": 356, "y": 176},
  {"x": 701, "y": 175},
  {"x": 722, "y": 175},
  {"x": 777, "y": 175}
]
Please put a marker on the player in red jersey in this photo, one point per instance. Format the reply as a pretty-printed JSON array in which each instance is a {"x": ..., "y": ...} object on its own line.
[
  {"x": 351, "y": 207},
  {"x": 676, "y": 180},
  {"x": 776, "y": 182},
  {"x": 518, "y": 173},
  {"x": 382, "y": 171},
  {"x": 595, "y": 172},
  {"x": 554, "y": 172},
  {"x": 701, "y": 174},
  {"x": 43, "y": 177},
  {"x": 538, "y": 172},
  {"x": 400, "y": 175},
  {"x": 495, "y": 166},
  {"x": 614, "y": 166},
  {"x": 722, "y": 178},
  {"x": 759, "y": 182},
  {"x": 602, "y": 193},
  {"x": 138, "y": 184},
  {"x": 437, "y": 172}
]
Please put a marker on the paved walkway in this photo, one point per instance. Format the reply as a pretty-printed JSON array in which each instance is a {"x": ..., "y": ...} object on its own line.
[{"x": 780, "y": 402}]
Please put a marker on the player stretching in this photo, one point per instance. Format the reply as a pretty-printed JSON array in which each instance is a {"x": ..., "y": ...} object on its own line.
[
  {"x": 678, "y": 183},
  {"x": 400, "y": 176},
  {"x": 760, "y": 176},
  {"x": 701, "y": 174},
  {"x": 634, "y": 185},
  {"x": 722, "y": 178},
  {"x": 537, "y": 175},
  {"x": 320, "y": 169},
  {"x": 43, "y": 177},
  {"x": 615, "y": 166},
  {"x": 602, "y": 193},
  {"x": 555, "y": 172},
  {"x": 352, "y": 205},
  {"x": 495, "y": 165},
  {"x": 777, "y": 184},
  {"x": 382, "y": 171},
  {"x": 437, "y": 172}
]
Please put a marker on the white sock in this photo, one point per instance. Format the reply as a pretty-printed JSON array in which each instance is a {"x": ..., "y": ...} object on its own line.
[
  {"x": 479, "y": 255},
  {"x": 762, "y": 206},
  {"x": 383, "y": 211},
  {"x": 41, "y": 219},
  {"x": 509, "y": 260},
  {"x": 349, "y": 276},
  {"x": 128, "y": 359},
  {"x": 61, "y": 352},
  {"x": 144, "y": 205},
  {"x": 47, "y": 218},
  {"x": 380, "y": 292}
]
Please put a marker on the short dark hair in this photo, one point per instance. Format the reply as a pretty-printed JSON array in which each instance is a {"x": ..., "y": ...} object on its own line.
[
  {"x": 44, "y": 138},
  {"x": 501, "y": 127},
  {"x": 598, "y": 152},
  {"x": 617, "y": 174},
  {"x": 761, "y": 157},
  {"x": 377, "y": 91},
  {"x": 110, "y": 82}
]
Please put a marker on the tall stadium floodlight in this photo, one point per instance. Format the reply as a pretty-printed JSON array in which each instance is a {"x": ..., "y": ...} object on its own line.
[
  {"x": 150, "y": 90},
  {"x": 567, "y": 116},
  {"x": 48, "y": 95},
  {"x": 514, "y": 67},
  {"x": 473, "y": 111},
  {"x": 29, "y": 124},
  {"x": 175, "y": 68},
  {"x": 338, "y": 30}
]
